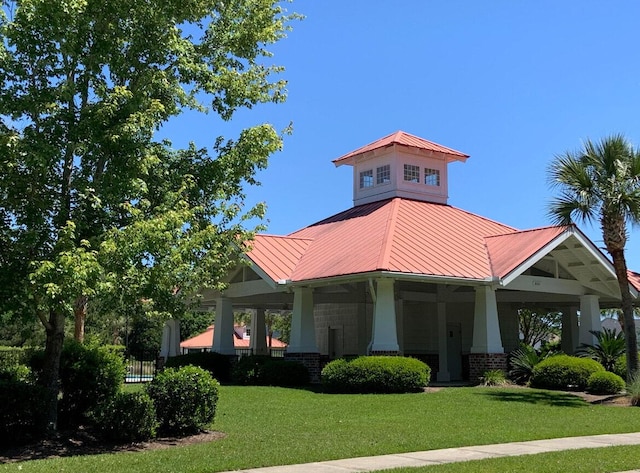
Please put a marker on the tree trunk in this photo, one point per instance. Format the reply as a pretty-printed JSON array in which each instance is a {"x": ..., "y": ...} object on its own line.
[
  {"x": 80, "y": 316},
  {"x": 51, "y": 368},
  {"x": 629, "y": 325}
]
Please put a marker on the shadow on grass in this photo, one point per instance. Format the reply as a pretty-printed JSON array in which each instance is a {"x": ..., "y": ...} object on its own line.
[{"x": 537, "y": 397}]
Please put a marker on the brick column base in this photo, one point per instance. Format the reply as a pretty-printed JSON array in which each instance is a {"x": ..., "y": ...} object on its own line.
[
  {"x": 481, "y": 362},
  {"x": 310, "y": 360}
]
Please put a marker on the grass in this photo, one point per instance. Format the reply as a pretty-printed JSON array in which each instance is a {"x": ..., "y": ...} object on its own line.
[
  {"x": 601, "y": 460},
  {"x": 276, "y": 426}
]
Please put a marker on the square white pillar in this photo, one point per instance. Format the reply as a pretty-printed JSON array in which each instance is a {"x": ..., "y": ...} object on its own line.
[
  {"x": 223, "y": 332},
  {"x": 443, "y": 358},
  {"x": 569, "y": 337},
  {"x": 385, "y": 335},
  {"x": 589, "y": 318},
  {"x": 303, "y": 329},
  {"x": 258, "y": 336},
  {"x": 486, "y": 326}
]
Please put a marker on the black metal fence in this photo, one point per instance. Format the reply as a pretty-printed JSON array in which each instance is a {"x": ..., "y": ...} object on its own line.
[{"x": 141, "y": 367}]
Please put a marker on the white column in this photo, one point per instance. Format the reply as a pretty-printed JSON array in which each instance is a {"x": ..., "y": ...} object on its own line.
[
  {"x": 170, "y": 345},
  {"x": 258, "y": 337},
  {"x": 569, "y": 337},
  {"x": 223, "y": 331},
  {"x": 589, "y": 318},
  {"x": 443, "y": 361},
  {"x": 385, "y": 335},
  {"x": 486, "y": 327},
  {"x": 303, "y": 329}
]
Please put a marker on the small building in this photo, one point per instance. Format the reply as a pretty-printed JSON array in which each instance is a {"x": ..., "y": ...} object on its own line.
[
  {"x": 241, "y": 342},
  {"x": 404, "y": 272}
]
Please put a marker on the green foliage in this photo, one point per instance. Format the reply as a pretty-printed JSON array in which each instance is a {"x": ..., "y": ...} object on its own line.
[
  {"x": 90, "y": 375},
  {"x": 608, "y": 349},
  {"x": 564, "y": 372},
  {"x": 620, "y": 366},
  {"x": 22, "y": 412},
  {"x": 14, "y": 356},
  {"x": 93, "y": 205},
  {"x": 375, "y": 374},
  {"x": 493, "y": 378},
  {"x": 215, "y": 363},
  {"x": 538, "y": 327},
  {"x": 15, "y": 372},
  {"x": 605, "y": 382},
  {"x": 633, "y": 390},
  {"x": 522, "y": 362},
  {"x": 185, "y": 399},
  {"x": 128, "y": 417},
  {"x": 601, "y": 182},
  {"x": 267, "y": 371}
]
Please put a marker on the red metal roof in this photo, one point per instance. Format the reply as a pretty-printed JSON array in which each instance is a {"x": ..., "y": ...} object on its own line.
[
  {"x": 403, "y": 139},
  {"x": 205, "y": 340},
  {"x": 506, "y": 252},
  {"x": 397, "y": 235},
  {"x": 277, "y": 255}
]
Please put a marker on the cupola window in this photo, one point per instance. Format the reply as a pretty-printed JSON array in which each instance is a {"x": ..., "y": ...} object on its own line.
[
  {"x": 411, "y": 173},
  {"x": 431, "y": 177},
  {"x": 383, "y": 174},
  {"x": 366, "y": 179}
]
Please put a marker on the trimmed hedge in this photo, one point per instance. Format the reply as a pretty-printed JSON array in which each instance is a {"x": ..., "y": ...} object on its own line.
[
  {"x": 185, "y": 399},
  {"x": 605, "y": 382},
  {"x": 564, "y": 372},
  {"x": 376, "y": 374},
  {"x": 90, "y": 375},
  {"x": 215, "y": 363},
  {"x": 23, "y": 414},
  {"x": 128, "y": 417},
  {"x": 259, "y": 370}
]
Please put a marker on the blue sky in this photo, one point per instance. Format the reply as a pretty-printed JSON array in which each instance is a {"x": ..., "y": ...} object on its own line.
[{"x": 510, "y": 83}]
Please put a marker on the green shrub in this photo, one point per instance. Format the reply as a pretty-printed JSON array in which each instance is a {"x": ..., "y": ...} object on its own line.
[
  {"x": 564, "y": 372},
  {"x": 22, "y": 412},
  {"x": 376, "y": 374},
  {"x": 258, "y": 370},
  {"x": 522, "y": 362},
  {"x": 247, "y": 370},
  {"x": 90, "y": 375},
  {"x": 16, "y": 373},
  {"x": 128, "y": 417},
  {"x": 285, "y": 373},
  {"x": 633, "y": 390},
  {"x": 493, "y": 378},
  {"x": 215, "y": 363},
  {"x": 185, "y": 399},
  {"x": 14, "y": 356},
  {"x": 620, "y": 366},
  {"x": 605, "y": 382},
  {"x": 609, "y": 347}
]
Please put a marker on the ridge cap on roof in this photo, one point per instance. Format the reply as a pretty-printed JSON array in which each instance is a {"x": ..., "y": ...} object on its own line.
[
  {"x": 288, "y": 237},
  {"x": 534, "y": 229},
  {"x": 387, "y": 242}
]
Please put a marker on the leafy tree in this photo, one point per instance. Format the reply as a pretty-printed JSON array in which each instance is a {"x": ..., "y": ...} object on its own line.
[
  {"x": 537, "y": 327},
  {"x": 601, "y": 182},
  {"x": 92, "y": 205}
]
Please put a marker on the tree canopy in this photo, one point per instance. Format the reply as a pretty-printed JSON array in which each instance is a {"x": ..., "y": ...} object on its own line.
[
  {"x": 93, "y": 205},
  {"x": 601, "y": 183}
]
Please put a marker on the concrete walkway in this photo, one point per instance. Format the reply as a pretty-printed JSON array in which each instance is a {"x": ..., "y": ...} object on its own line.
[{"x": 450, "y": 455}]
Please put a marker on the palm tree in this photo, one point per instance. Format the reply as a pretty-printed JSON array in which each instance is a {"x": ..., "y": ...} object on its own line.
[
  {"x": 610, "y": 347},
  {"x": 601, "y": 182}
]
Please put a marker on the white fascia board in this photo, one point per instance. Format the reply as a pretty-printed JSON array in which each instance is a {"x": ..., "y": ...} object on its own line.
[
  {"x": 534, "y": 258},
  {"x": 260, "y": 272},
  {"x": 360, "y": 277}
]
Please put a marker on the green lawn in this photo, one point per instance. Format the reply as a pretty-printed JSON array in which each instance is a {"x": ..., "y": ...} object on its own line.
[
  {"x": 272, "y": 426},
  {"x": 601, "y": 460}
]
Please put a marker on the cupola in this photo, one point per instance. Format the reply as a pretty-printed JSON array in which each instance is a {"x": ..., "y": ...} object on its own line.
[{"x": 400, "y": 165}]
